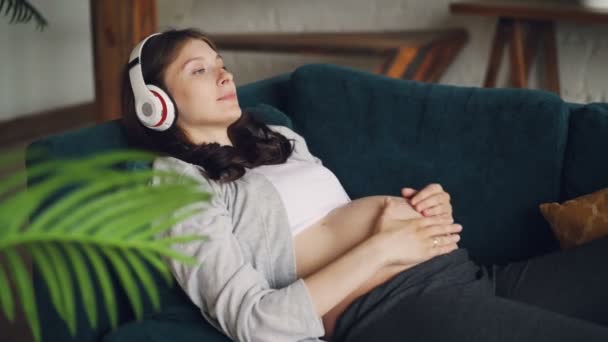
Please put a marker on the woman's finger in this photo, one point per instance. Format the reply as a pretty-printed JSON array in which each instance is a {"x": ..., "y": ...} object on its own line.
[
  {"x": 440, "y": 230},
  {"x": 448, "y": 239},
  {"x": 441, "y": 209},
  {"x": 428, "y": 191},
  {"x": 408, "y": 192},
  {"x": 445, "y": 249},
  {"x": 431, "y": 201},
  {"x": 428, "y": 222}
]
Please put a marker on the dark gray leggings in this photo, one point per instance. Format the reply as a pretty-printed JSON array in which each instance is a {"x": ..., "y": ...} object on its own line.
[{"x": 561, "y": 296}]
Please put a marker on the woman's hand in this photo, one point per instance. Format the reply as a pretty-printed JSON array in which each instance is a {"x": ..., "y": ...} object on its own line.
[
  {"x": 413, "y": 240},
  {"x": 430, "y": 201}
]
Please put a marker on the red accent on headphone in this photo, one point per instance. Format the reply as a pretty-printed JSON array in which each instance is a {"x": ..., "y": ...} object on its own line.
[{"x": 164, "y": 113}]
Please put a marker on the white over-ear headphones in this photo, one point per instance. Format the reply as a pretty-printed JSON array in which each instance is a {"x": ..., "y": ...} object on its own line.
[{"x": 153, "y": 106}]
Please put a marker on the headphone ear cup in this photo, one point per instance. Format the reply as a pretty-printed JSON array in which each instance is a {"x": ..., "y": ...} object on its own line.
[{"x": 163, "y": 113}]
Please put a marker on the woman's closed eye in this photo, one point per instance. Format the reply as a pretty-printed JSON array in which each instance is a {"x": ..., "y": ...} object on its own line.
[{"x": 202, "y": 70}]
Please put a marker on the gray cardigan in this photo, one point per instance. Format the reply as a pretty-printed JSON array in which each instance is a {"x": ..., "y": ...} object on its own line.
[{"x": 246, "y": 283}]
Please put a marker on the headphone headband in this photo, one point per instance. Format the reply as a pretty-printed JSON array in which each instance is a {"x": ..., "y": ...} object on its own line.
[{"x": 136, "y": 52}]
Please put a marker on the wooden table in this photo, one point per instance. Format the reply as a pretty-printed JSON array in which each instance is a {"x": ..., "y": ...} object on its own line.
[
  {"x": 525, "y": 26},
  {"x": 417, "y": 55}
]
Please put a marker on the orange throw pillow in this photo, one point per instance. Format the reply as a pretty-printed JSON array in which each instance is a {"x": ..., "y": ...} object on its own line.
[{"x": 578, "y": 220}]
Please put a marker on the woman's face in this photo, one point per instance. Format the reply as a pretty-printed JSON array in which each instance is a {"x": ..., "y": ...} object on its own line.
[{"x": 202, "y": 88}]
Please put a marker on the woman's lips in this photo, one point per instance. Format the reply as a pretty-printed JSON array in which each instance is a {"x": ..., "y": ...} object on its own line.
[{"x": 230, "y": 96}]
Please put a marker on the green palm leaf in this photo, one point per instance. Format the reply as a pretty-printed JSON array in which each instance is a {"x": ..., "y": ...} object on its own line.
[
  {"x": 77, "y": 172},
  {"x": 126, "y": 279},
  {"x": 57, "y": 177},
  {"x": 84, "y": 282},
  {"x": 101, "y": 273},
  {"x": 22, "y": 12},
  {"x": 147, "y": 281},
  {"x": 60, "y": 267},
  {"x": 17, "y": 179},
  {"x": 76, "y": 198},
  {"x": 141, "y": 215},
  {"x": 50, "y": 277},
  {"x": 6, "y": 297},
  {"x": 24, "y": 288},
  {"x": 160, "y": 266},
  {"x": 104, "y": 214},
  {"x": 100, "y": 204}
]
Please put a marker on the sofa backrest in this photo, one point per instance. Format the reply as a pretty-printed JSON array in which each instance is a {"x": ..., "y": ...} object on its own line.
[
  {"x": 586, "y": 159},
  {"x": 498, "y": 152}
]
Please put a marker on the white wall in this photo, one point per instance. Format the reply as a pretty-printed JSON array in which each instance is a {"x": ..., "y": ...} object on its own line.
[
  {"x": 582, "y": 48},
  {"x": 54, "y": 68},
  {"x": 49, "y": 69}
]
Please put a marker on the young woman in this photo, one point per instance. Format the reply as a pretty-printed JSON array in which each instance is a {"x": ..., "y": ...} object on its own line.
[{"x": 290, "y": 257}]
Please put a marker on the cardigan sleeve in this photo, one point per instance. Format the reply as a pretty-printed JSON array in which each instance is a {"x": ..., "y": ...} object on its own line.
[{"x": 231, "y": 294}]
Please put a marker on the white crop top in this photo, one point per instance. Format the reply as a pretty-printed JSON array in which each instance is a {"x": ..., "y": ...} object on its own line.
[{"x": 308, "y": 190}]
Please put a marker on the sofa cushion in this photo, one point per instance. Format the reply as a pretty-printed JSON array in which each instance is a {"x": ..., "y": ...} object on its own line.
[
  {"x": 586, "y": 159},
  {"x": 272, "y": 91},
  {"x": 269, "y": 115},
  {"x": 579, "y": 220},
  {"x": 498, "y": 152}
]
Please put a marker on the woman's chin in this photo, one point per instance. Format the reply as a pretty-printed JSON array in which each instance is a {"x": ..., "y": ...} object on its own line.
[{"x": 235, "y": 114}]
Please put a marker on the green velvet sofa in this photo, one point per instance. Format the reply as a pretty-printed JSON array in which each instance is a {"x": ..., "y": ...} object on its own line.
[{"x": 498, "y": 152}]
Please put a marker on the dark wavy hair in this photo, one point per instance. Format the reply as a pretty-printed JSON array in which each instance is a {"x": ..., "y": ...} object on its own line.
[{"x": 253, "y": 142}]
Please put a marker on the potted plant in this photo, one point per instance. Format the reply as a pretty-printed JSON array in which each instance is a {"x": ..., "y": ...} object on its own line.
[{"x": 89, "y": 208}]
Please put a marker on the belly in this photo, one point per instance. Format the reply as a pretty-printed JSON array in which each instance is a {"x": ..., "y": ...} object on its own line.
[
  {"x": 339, "y": 231},
  {"x": 335, "y": 234}
]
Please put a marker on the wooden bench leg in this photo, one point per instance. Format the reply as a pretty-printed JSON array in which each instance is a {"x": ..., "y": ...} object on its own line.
[
  {"x": 430, "y": 61},
  {"x": 551, "y": 59},
  {"x": 438, "y": 58},
  {"x": 531, "y": 45},
  {"x": 522, "y": 51},
  {"x": 503, "y": 28},
  {"x": 396, "y": 64},
  {"x": 434, "y": 59},
  {"x": 518, "y": 62}
]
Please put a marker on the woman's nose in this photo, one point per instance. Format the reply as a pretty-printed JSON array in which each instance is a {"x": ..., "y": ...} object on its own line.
[{"x": 225, "y": 77}]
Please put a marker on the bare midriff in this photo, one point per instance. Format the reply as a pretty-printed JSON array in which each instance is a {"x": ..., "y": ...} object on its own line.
[{"x": 335, "y": 234}]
